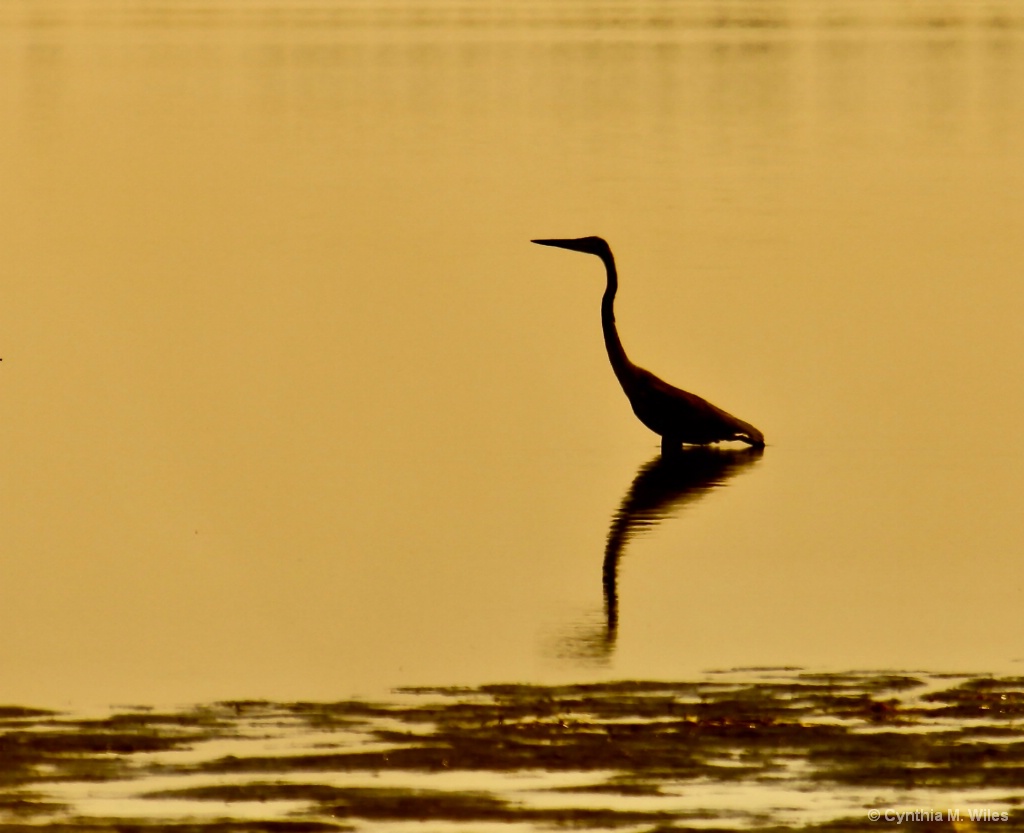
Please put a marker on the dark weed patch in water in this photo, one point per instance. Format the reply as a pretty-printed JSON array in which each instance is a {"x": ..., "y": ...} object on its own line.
[
  {"x": 754, "y": 750},
  {"x": 399, "y": 804},
  {"x": 121, "y": 826}
]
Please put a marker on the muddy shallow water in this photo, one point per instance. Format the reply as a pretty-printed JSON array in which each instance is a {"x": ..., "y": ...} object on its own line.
[{"x": 779, "y": 749}]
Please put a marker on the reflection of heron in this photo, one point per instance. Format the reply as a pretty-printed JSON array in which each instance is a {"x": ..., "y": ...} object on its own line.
[
  {"x": 659, "y": 489},
  {"x": 677, "y": 416}
]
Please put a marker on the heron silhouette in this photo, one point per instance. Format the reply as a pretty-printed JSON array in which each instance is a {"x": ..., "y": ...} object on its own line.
[
  {"x": 677, "y": 416},
  {"x": 662, "y": 488}
]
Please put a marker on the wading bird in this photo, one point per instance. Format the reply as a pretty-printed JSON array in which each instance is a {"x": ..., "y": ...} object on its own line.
[
  {"x": 661, "y": 489},
  {"x": 677, "y": 416}
]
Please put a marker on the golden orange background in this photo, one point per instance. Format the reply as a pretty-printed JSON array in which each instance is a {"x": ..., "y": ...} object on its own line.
[{"x": 290, "y": 406}]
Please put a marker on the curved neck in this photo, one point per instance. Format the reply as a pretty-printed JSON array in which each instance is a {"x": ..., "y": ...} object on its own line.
[{"x": 616, "y": 354}]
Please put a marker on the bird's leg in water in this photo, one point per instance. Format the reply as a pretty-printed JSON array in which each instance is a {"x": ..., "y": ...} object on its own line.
[{"x": 671, "y": 446}]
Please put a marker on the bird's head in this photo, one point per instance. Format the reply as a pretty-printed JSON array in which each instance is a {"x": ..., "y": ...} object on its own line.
[{"x": 589, "y": 245}]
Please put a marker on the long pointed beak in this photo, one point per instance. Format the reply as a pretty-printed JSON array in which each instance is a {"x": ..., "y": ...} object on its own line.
[{"x": 571, "y": 244}]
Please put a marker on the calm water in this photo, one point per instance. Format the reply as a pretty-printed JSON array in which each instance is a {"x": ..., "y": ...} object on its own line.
[{"x": 291, "y": 408}]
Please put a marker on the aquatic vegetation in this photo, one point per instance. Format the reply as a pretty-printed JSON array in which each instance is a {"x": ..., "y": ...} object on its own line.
[{"x": 758, "y": 748}]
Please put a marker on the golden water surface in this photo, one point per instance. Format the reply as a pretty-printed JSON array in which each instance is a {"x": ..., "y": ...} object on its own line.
[{"x": 290, "y": 407}]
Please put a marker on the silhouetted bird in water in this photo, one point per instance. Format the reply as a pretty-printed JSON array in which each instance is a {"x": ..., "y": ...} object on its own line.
[
  {"x": 677, "y": 416},
  {"x": 661, "y": 488}
]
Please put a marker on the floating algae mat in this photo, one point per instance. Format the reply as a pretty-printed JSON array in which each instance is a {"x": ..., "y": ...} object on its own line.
[{"x": 741, "y": 750}]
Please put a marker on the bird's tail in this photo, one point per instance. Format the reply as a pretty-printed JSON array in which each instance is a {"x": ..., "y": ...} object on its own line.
[{"x": 748, "y": 434}]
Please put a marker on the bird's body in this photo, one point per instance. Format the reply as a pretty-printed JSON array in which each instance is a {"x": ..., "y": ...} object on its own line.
[{"x": 677, "y": 416}]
